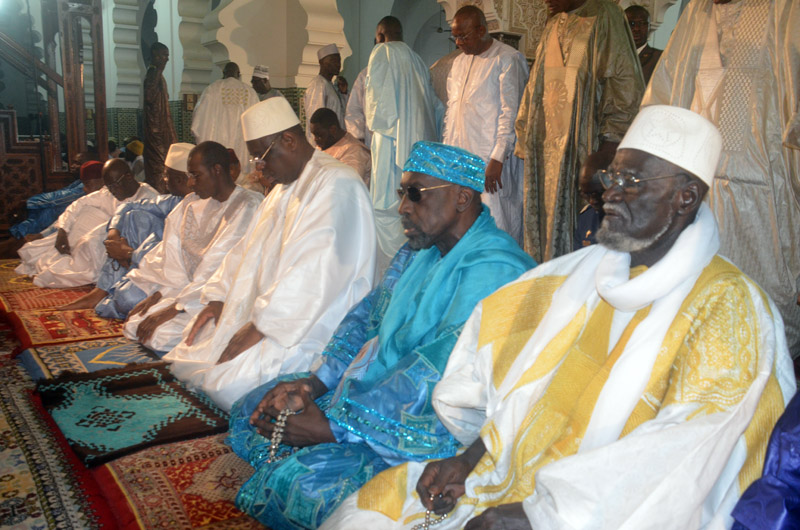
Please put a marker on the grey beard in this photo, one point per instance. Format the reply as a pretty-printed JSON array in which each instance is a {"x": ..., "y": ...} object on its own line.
[{"x": 623, "y": 243}]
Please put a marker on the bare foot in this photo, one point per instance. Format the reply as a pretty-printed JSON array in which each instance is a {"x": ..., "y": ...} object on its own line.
[{"x": 87, "y": 301}]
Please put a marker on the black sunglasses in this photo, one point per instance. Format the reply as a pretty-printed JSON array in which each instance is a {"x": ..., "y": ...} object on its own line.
[{"x": 414, "y": 193}]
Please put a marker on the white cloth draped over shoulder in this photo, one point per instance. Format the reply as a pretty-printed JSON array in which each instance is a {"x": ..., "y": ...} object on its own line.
[
  {"x": 354, "y": 118},
  {"x": 321, "y": 94},
  {"x": 306, "y": 258},
  {"x": 198, "y": 234},
  {"x": 401, "y": 109},
  {"x": 667, "y": 439},
  {"x": 483, "y": 95},
  {"x": 354, "y": 153},
  {"x": 738, "y": 64},
  {"x": 218, "y": 113},
  {"x": 85, "y": 222}
]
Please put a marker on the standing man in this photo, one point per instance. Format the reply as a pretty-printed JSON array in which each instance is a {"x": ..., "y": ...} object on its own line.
[
  {"x": 216, "y": 117},
  {"x": 321, "y": 92},
  {"x": 639, "y": 21},
  {"x": 737, "y": 65},
  {"x": 159, "y": 133},
  {"x": 484, "y": 88},
  {"x": 260, "y": 82},
  {"x": 581, "y": 97},
  {"x": 400, "y": 109}
]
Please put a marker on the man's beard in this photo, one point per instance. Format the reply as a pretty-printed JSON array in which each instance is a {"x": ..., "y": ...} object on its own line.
[
  {"x": 624, "y": 243},
  {"x": 418, "y": 241}
]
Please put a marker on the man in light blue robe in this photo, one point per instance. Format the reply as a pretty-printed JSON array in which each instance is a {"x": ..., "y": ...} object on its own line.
[
  {"x": 401, "y": 108},
  {"x": 365, "y": 406},
  {"x": 134, "y": 230}
]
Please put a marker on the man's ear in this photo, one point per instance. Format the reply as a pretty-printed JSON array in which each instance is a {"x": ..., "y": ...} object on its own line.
[
  {"x": 465, "y": 198},
  {"x": 690, "y": 197}
]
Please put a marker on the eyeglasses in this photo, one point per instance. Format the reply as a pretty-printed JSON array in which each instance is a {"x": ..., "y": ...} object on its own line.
[
  {"x": 625, "y": 180},
  {"x": 255, "y": 160},
  {"x": 462, "y": 38},
  {"x": 414, "y": 193}
]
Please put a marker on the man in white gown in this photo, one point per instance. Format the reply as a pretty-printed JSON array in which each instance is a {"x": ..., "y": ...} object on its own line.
[
  {"x": 401, "y": 109},
  {"x": 307, "y": 256},
  {"x": 217, "y": 114},
  {"x": 320, "y": 92},
  {"x": 738, "y": 64},
  {"x": 74, "y": 254},
  {"x": 198, "y": 234},
  {"x": 631, "y": 384},
  {"x": 484, "y": 89}
]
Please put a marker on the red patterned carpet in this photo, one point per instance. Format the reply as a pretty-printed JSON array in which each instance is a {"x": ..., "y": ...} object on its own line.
[
  {"x": 40, "y": 327},
  {"x": 185, "y": 485}
]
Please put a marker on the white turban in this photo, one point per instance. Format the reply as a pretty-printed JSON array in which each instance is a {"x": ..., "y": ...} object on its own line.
[
  {"x": 323, "y": 52},
  {"x": 271, "y": 116},
  {"x": 261, "y": 71},
  {"x": 679, "y": 136},
  {"x": 178, "y": 157}
]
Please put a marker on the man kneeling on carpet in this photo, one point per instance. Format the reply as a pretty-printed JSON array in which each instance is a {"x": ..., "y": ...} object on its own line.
[
  {"x": 164, "y": 292},
  {"x": 134, "y": 230},
  {"x": 75, "y": 253},
  {"x": 631, "y": 384},
  {"x": 366, "y": 404}
]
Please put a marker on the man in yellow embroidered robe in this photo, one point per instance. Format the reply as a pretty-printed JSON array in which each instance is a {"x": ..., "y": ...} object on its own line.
[
  {"x": 629, "y": 384},
  {"x": 738, "y": 64},
  {"x": 583, "y": 92}
]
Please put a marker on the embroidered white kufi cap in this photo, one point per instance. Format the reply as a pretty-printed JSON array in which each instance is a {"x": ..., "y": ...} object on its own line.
[
  {"x": 679, "y": 136},
  {"x": 178, "y": 156},
  {"x": 270, "y": 116},
  {"x": 323, "y": 52}
]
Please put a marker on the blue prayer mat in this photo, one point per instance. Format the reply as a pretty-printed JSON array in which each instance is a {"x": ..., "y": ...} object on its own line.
[
  {"x": 108, "y": 414},
  {"x": 47, "y": 362}
]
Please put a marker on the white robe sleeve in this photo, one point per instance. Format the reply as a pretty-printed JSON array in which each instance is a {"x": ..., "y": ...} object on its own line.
[
  {"x": 229, "y": 233},
  {"x": 513, "y": 78},
  {"x": 318, "y": 258}
]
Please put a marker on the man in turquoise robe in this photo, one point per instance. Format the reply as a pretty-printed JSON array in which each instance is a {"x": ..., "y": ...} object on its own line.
[{"x": 366, "y": 406}]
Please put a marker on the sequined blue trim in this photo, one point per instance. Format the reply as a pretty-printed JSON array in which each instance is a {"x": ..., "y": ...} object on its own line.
[{"x": 447, "y": 162}]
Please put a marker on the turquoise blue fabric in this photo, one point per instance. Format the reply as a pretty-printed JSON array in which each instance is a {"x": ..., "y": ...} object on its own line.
[
  {"x": 379, "y": 405},
  {"x": 447, "y": 162},
  {"x": 141, "y": 223},
  {"x": 44, "y": 209}
]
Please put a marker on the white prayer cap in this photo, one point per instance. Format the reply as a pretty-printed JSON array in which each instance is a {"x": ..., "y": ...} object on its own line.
[
  {"x": 323, "y": 52},
  {"x": 178, "y": 157},
  {"x": 261, "y": 71},
  {"x": 676, "y": 135},
  {"x": 270, "y": 116}
]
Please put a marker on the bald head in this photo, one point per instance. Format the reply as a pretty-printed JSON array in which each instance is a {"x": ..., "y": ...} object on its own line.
[
  {"x": 118, "y": 178},
  {"x": 230, "y": 70},
  {"x": 389, "y": 30},
  {"x": 470, "y": 31}
]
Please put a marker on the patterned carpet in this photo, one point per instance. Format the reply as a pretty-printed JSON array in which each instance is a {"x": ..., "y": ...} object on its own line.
[
  {"x": 47, "y": 362},
  {"x": 108, "y": 414},
  {"x": 185, "y": 485},
  {"x": 36, "y": 298},
  {"x": 42, "y": 485},
  {"x": 49, "y": 326}
]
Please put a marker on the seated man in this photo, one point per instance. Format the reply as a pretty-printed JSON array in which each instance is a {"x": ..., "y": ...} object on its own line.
[
  {"x": 75, "y": 253},
  {"x": 44, "y": 208},
  {"x": 375, "y": 375},
  {"x": 163, "y": 294},
  {"x": 340, "y": 144},
  {"x": 134, "y": 230},
  {"x": 630, "y": 384},
  {"x": 307, "y": 257}
]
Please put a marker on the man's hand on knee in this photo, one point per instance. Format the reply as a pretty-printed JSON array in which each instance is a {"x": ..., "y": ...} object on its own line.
[{"x": 210, "y": 312}]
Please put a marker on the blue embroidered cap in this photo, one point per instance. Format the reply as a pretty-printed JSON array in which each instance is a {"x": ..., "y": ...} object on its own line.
[{"x": 449, "y": 163}]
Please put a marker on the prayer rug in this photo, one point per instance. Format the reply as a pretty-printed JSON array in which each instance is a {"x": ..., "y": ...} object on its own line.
[
  {"x": 111, "y": 413},
  {"x": 10, "y": 280},
  {"x": 39, "y": 298},
  {"x": 185, "y": 485},
  {"x": 48, "y": 326},
  {"x": 42, "y": 484},
  {"x": 47, "y": 362}
]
